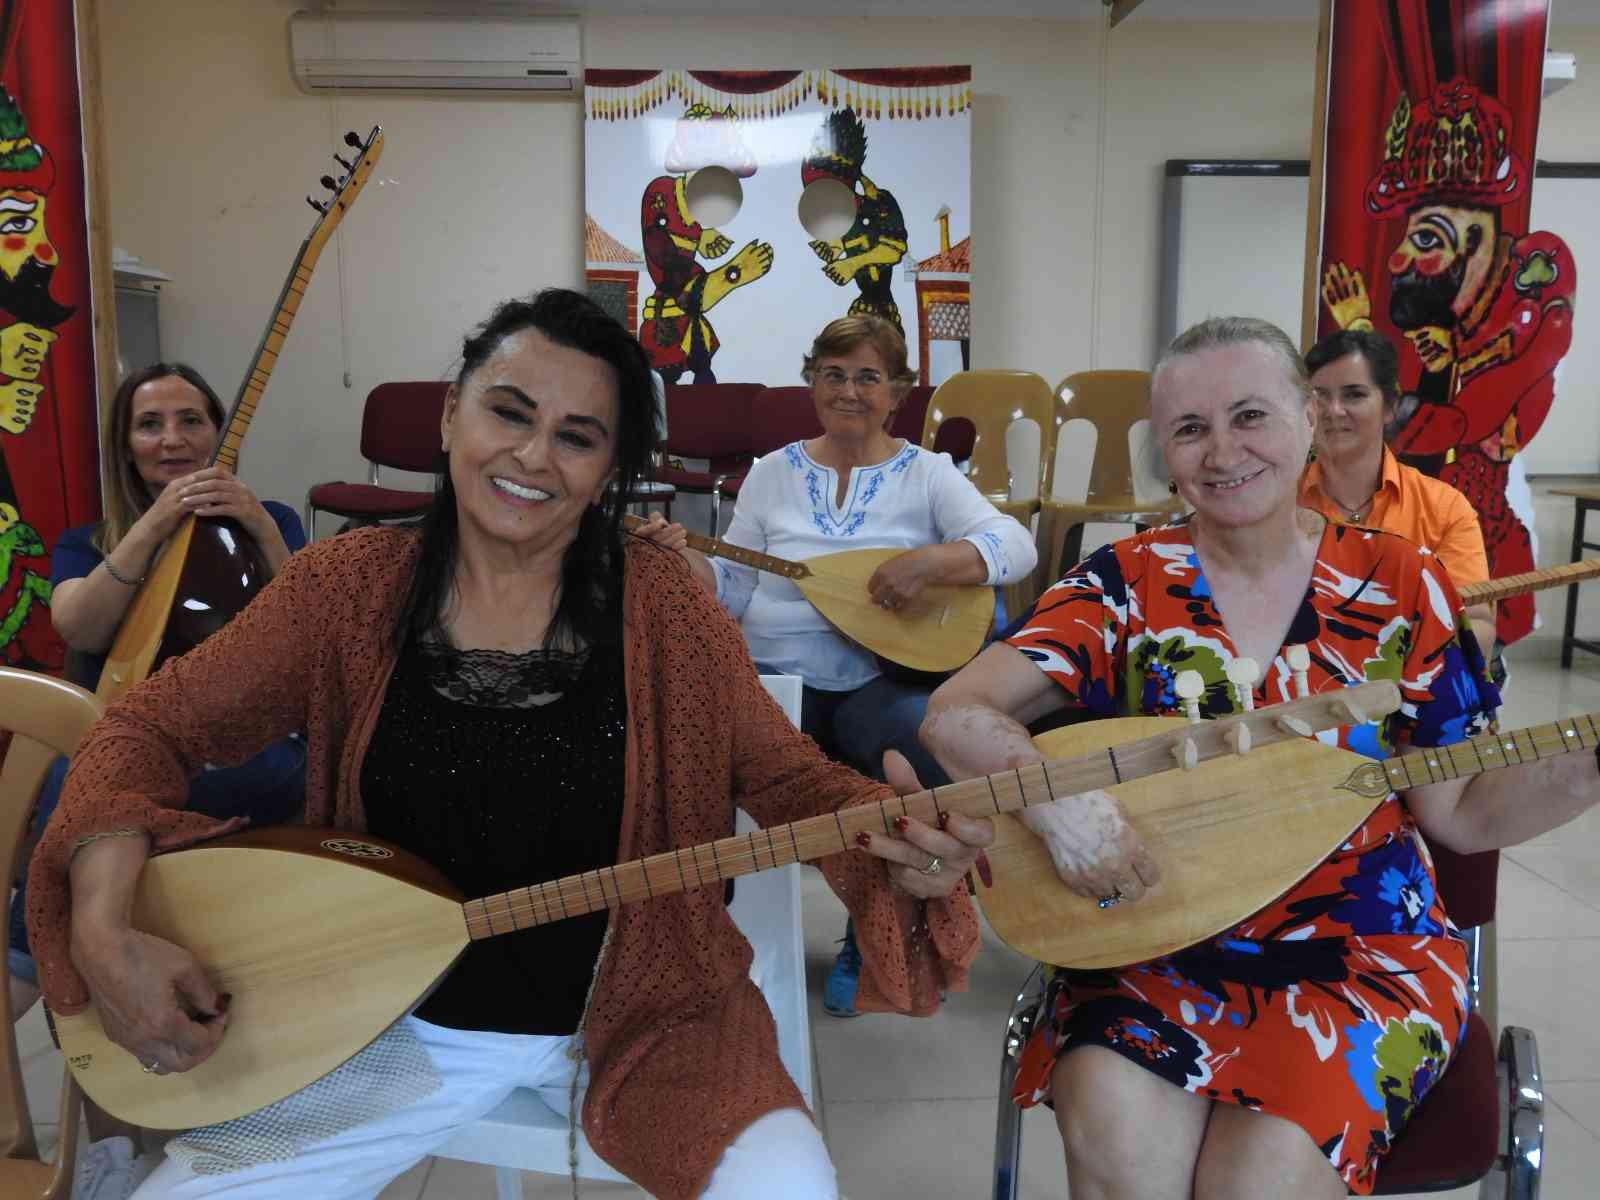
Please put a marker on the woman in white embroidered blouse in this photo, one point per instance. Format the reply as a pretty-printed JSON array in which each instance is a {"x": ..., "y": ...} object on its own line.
[{"x": 852, "y": 488}]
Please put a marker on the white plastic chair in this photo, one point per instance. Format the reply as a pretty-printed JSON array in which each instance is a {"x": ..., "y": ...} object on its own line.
[{"x": 525, "y": 1134}]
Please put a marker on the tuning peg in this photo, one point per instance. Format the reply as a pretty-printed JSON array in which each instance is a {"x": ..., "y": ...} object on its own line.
[
  {"x": 1299, "y": 660},
  {"x": 1348, "y": 713},
  {"x": 1189, "y": 687},
  {"x": 1186, "y": 754},
  {"x": 327, "y": 182},
  {"x": 1294, "y": 726},
  {"x": 352, "y": 138},
  {"x": 321, "y": 208},
  {"x": 1242, "y": 674},
  {"x": 342, "y": 163},
  {"x": 1238, "y": 738}
]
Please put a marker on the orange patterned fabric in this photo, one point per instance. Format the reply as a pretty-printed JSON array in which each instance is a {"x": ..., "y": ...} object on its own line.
[{"x": 682, "y": 1050}]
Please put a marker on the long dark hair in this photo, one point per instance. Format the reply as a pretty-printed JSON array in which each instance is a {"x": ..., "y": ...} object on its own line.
[
  {"x": 129, "y": 495},
  {"x": 591, "y": 573}
]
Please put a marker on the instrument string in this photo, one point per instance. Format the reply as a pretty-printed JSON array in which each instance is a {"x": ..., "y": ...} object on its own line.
[{"x": 830, "y": 833}]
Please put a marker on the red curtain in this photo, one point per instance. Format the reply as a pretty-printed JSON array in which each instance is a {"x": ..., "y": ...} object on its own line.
[{"x": 50, "y": 471}]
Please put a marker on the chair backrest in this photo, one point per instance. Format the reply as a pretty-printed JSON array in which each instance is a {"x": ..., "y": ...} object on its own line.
[
  {"x": 913, "y": 410},
  {"x": 991, "y": 400},
  {"x": 780, "y": 415},
  {"x": 1469, "y": 884},
  {"x": 45, "y": 718},
  {"x": 709, "y": 420},
  {"x": 1113, "y": 402},
  {"x": 400, "y": 425}
]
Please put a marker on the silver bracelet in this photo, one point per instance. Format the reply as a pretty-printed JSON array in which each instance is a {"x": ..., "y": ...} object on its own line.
[{"x": 111, "y": 570}]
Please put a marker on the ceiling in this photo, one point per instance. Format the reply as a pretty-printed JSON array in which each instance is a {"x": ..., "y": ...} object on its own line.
[{"x": 1566, "y": 13}]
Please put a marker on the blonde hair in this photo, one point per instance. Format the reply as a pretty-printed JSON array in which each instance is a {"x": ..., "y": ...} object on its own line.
[
  {"x": 843, "y": 335},
  {"x": 1214, "y": 333},
  {"x": 128, "y": 496}
]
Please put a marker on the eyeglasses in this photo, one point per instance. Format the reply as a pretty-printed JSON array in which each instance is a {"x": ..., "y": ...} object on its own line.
[{"x": 865, "y": 379}]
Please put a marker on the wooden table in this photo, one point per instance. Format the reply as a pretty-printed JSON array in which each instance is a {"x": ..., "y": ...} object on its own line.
[{"x": 1584, "y": 499}]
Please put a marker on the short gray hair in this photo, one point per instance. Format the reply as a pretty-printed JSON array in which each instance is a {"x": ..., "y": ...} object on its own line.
[{"x": 1214, "y": 333}]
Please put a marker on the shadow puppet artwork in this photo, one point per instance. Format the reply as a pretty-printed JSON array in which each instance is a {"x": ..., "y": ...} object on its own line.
[
  {"x": 1428, "y": 180},
  {"x": 49, "y": 473},
  {"x": 731, "y": 214}
]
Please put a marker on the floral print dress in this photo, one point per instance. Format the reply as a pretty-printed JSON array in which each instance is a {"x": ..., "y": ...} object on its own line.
[{"x": 1338, "y": 1006}]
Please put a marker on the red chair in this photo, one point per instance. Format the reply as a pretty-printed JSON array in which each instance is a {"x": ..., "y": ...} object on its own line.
[
  {"x": 789, "y": 414},
  {"x": 709, "y": 421},
  {"x": 399, "y": 429},
  {"x": 1484, "y": 1120}
]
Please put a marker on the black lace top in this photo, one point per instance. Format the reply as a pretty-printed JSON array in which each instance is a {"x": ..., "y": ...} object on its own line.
[{"x": 505, "y": 770}]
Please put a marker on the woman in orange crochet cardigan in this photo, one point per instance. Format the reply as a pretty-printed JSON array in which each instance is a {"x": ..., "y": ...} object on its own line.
[{"x": 512, "y": 695}]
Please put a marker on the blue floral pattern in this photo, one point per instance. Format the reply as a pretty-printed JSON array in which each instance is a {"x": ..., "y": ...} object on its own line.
[{"x": 1337, "y": 1006}]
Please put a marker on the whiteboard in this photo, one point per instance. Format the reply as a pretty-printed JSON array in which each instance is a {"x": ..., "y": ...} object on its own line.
[{"x": 1233, "y": 243}]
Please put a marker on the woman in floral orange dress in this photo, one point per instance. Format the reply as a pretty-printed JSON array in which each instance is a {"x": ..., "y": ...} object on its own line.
[{"x": 1303, "y": 1038}]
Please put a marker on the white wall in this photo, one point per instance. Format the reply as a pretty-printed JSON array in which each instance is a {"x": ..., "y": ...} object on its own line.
[{"x": 211, "y": 148}]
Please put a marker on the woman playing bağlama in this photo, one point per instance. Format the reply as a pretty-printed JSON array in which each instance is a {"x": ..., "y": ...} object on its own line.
[
  {"x": 855, "y": 486},
  {"x": 164, "y": 424},
  {"x": 514, "y": 695},
  {"x": 1283, "y": 1057},
  {"x": 1356, "y": 479}
]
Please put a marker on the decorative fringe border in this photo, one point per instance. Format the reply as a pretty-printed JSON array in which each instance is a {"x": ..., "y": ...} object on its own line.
[{"x": 870, "y": 101}]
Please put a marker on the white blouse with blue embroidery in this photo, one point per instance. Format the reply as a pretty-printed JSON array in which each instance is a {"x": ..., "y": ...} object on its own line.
[{"x": 787, "y": 508}]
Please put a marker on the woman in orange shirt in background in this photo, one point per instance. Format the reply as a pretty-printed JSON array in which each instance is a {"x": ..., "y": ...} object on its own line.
[{"x": 1357, "y": 480}]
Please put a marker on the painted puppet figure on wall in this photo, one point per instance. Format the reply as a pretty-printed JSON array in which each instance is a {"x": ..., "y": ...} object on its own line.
[
  {"x": 867, "y": 253},
  {"x": 735, "y": 178},
  {"x": 1484, "y": 304},
  {"x": 675, "y": 331}
]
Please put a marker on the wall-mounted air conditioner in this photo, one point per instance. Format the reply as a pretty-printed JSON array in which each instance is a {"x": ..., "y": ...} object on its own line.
[{"x": 435, "y": 52}]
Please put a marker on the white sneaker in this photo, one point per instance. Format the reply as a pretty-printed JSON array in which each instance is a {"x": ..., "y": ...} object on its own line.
[{"x": 105, "y": 1170}]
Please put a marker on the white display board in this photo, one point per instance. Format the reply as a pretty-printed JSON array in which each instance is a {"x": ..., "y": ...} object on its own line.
[{"x": 1233, "y": 242}]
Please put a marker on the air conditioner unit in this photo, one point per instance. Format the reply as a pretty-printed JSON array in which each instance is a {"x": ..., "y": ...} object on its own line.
[{"x": 435, "y": 52}]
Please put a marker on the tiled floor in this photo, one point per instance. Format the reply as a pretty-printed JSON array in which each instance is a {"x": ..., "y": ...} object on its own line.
[{"x": 908, "y": 1107}]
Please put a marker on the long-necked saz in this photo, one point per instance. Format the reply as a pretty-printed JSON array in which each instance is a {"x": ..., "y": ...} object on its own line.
[{"x": 209, "y": 569}]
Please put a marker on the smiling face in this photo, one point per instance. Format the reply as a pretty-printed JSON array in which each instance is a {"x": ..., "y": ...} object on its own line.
[
  {"x": 171, "y": 432},
  {"x": 847, "y": 408},
  {"x": 1351, "y": 410},
  {"x": 1234, "y": 431},
  {"x": 530, "y": 437}
]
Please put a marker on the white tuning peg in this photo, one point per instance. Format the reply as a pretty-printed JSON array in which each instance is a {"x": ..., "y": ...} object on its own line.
[
  {"x": 1242, "y": 674},
  {"x": 1293, "y": 725},
  {"x": 1186, "y": 753},
  {"x": 1189, "y": 687},
  {"x": 1238, "y": 738},
  {"x": 1299, "y": 660}
]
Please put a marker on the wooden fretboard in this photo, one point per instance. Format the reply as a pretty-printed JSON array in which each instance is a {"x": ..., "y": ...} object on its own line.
[
  {"x": 1529, "y": 581},
  {"x": 802, "y": 841},
  {"x": 718, "y": 548}
]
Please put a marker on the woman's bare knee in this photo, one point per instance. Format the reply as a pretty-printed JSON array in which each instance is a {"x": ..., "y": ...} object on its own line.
[
  {"x": 1106, "y": 1109},
  {"x": 1248, "y": 1155}
]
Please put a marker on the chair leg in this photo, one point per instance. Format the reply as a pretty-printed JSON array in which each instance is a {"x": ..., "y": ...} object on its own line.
[
  {"x": 507, "y": 1183},
  {"x": 1008, "y": 1117},
  {"x": 1516, "y": 1175}
]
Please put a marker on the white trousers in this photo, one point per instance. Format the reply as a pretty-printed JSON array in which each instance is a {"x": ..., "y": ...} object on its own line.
[{"x": 780, "y": 1156}]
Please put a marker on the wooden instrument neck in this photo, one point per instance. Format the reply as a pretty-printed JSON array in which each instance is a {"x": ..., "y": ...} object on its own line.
[
  {"x": 717, "y": 548},
  {"x": 1008, "y": 791}
]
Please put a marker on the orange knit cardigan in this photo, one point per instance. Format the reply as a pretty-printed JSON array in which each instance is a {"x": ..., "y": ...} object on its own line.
[{"x": 682, "y": 1050}]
